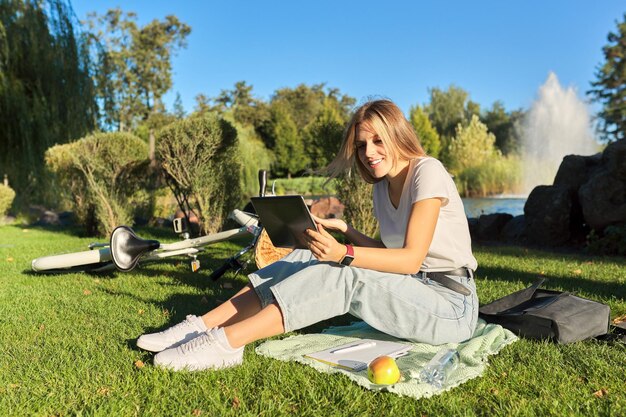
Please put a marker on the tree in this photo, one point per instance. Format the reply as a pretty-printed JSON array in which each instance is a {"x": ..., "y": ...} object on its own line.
[
  {"x": 504, "y": 126},
  {"x": 46, "y": 92},
  {"x": 202, "y": 167},
  {"x": 247, "y": 110},
  {"x": 103, "y": 174},
  {"x": 303, "y": 102},
  {"x": 178, "y": 109},
  {"x": 288, "y": 148},
  {"x": 342, "y": 102},
  {"x": 609, "y": 88},
  {"x": 134, "y": 68},
  {"x": 318, "y": 115},
  {"x": 446, "y": 110},
  {"x": 472, "y": 146},
  {"x": 323, "y": 136},
  {"x": 428, "y": 136},
  {"x": 203, "y": 104}
]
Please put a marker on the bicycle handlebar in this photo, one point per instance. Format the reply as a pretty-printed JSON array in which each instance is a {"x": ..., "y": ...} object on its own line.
[{"x": 233, "y": 262}]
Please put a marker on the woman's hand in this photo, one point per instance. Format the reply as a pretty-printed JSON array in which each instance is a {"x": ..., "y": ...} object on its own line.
[
  {"x": 323, "y": 245},
  {"x": 332, "y": 224}
]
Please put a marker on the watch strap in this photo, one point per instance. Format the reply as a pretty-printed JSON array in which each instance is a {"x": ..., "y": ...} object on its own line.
[{"x": 349, "y": 256}]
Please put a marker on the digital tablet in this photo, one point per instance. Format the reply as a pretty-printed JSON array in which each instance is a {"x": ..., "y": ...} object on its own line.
[{"x": 285, "y": 218}]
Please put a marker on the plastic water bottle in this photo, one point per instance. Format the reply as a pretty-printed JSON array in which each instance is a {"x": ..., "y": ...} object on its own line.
[{"x": 439, "y": 368}]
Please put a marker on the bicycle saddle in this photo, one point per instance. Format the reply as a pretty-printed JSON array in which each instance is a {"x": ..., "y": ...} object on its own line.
[{"x": 127, "y": 248}]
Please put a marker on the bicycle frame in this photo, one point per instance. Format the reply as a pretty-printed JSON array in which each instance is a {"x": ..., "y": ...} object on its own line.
[
  {"x": 100, "y": 257},
  {"x": 101, "y": 260}
]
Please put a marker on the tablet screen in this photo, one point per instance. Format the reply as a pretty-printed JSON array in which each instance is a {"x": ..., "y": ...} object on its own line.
[{"x": 285, "y": 218}]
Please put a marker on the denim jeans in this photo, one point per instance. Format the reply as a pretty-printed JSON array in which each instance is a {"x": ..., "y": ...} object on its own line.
[{"x": 405, "y": 306}]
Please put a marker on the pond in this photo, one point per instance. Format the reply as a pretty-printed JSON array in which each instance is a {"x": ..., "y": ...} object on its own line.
[{"x": 474, "y": 207}]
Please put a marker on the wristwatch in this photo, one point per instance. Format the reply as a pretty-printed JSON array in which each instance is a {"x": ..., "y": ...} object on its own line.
[{"x": 348, "y": 257}]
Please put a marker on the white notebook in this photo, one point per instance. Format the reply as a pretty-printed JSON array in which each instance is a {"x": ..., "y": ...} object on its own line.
[{"x": 357, "y": 354}]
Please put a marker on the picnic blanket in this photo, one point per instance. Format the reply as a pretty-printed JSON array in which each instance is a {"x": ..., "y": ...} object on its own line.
[{"x": 488, "y": 339}]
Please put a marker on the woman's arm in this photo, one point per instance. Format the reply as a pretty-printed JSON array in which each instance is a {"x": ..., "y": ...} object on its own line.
[
  {"x": 353, "y": 235},
  {"x": 405, "y": 260}
]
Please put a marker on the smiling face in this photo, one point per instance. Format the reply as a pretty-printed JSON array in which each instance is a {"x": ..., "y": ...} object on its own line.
[
  {"x": 373, "y": 154},
  {"x": 379, "y": 141}
]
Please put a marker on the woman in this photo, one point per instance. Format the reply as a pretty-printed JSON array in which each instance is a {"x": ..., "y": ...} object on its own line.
[{"x": 416, "y": 283}]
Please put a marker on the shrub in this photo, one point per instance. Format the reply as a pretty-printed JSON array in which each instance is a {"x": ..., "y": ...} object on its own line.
[
  {"x": 253, "y": 156},
  {"x": 323, "y": 136},
  {"x": 200, "y": 159},
  {"x": 6, "y": 199},
  {"x": 309, "y": 186},
  {"x": 612, "y": 241},
  {"x": 497, "y": 175},
  {"x": 472, "y": 146},
  {"x": 103, "y": 175},
  {"x": 356, "y": 196},
  {"x": 428, "y": 136}
]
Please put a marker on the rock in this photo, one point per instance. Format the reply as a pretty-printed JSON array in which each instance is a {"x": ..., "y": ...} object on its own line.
[
  {"x": 490, "y": 225},
  {"x": 614, "y": 159},
  {"x": 515, "y": 229},
  {"x": 547, "y": 215},
  {"x": 48, "y": 218},
  {"x": 575, "y": 170},
  {"x": 140, "y": 221},
  {"x": 603, "y": 200},
  {"x": 327, "y": 208},
  {"x": 472, "y": 222},
  {"x": 36, "y": 211},
  {"x": 67, "y": 218},
  {"x": 162, "y": 222},
  {"x": 589, "y": 192}
]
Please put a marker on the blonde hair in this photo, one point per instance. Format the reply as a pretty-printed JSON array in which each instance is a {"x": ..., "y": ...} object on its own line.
[{"x": 388, "y": 122}]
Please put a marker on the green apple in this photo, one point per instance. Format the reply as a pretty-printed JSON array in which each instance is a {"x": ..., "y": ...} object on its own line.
[{"x": 383, "y": 370}]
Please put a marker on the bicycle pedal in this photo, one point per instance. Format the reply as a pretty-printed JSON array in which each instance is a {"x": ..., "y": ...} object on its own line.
[{"x": 195, "y": 265}]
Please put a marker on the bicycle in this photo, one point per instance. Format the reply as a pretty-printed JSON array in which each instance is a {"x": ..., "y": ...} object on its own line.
[{"x": 125, "y": 250}]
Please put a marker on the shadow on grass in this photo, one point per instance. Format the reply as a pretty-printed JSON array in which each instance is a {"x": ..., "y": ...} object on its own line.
[
  {"x": 73, "y": 231},
  {"x": 178, "y": 306},
  {"x": 577, "y": 284},
  {"x": 79, "y": 232},
  {"x": 574, "y": 254}
]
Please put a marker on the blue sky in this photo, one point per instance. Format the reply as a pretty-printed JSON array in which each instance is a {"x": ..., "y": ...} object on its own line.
[{"x": 494, "y": 49}]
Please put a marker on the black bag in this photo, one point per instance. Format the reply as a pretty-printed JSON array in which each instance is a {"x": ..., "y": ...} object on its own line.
[{"x": 544, "y": 314}]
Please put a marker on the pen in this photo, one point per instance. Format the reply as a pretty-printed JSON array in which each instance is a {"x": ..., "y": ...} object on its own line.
[{"x": 354, "y": 347}]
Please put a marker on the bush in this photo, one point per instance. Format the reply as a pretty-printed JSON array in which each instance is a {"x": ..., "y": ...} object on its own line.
[
  {"x": 200, "y": 159},
  {"x": 308, "y": 186},
  {"x": 253, "y": 156},
  {"x": 610, "y": 242},
  {"x": 498, "y": 175},
  {"x": 104, "y": 176},
  {"x": 472, "y": 146},
  {"x": 356, "y": 195},
  {"x": 6, "y": 199}
]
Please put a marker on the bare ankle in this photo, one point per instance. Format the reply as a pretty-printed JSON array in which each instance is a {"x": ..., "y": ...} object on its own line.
[{"x": 232, "y": 338}]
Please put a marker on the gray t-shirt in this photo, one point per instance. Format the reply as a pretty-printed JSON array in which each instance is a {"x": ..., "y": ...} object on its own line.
[{"x": 451, "y": 247}]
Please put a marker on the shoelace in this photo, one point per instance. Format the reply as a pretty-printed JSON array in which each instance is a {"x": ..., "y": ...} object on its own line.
[
  {"x": 185, "y": 323},
  {"x": 198, "y": 342}
]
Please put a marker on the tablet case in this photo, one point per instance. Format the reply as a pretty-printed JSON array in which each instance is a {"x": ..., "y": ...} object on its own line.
[{"x": 285, "y": 218}]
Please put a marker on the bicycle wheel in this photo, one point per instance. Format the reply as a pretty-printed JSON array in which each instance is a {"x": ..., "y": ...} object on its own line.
[{"x": 86, "y": 261}]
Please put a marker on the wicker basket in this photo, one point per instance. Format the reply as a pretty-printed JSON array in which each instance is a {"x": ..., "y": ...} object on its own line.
[{"x": 266, "y": 253}]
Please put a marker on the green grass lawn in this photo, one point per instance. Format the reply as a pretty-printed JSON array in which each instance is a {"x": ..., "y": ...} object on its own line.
[{"x": 67, "y": 344}]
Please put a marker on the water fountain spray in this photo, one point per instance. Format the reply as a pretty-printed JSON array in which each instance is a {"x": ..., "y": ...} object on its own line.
[{"x": 557, "y": 124}]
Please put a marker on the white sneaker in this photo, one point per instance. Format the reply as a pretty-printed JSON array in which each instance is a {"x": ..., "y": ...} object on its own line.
[
  {"x": 210, "y": 350},
  {"x": 190, "y": 328}
]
